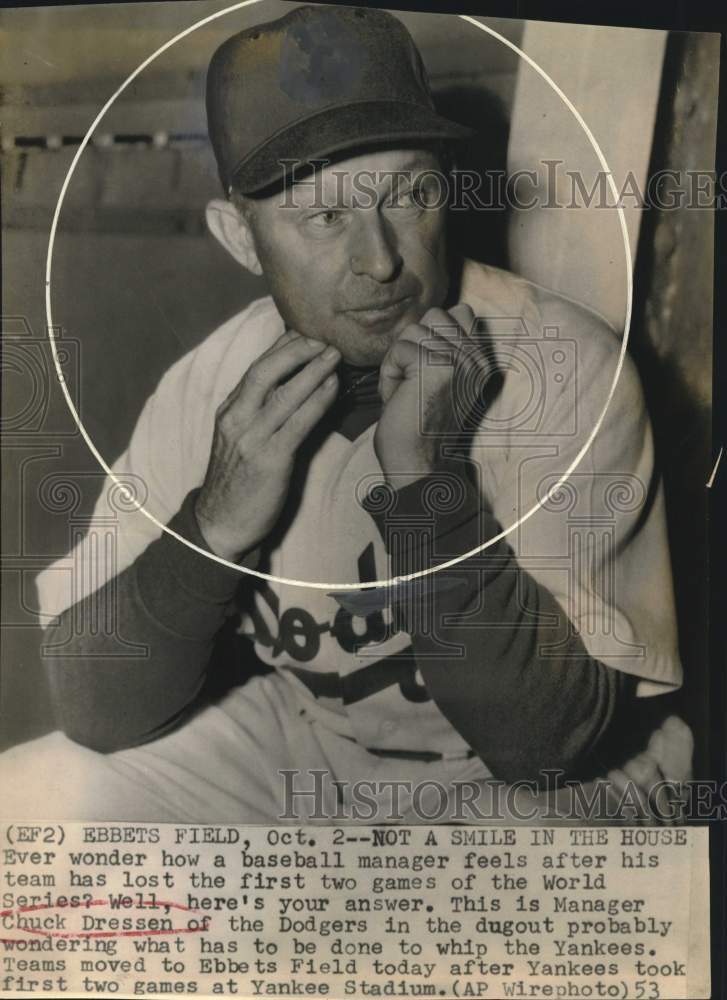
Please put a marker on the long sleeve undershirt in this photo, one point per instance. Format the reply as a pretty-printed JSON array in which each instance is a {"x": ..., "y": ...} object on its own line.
[
  {"x": 172, "y": 600},
  {"x": 521, "y": 689}
]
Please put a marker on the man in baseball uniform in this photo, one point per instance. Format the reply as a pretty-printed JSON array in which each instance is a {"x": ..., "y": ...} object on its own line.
[{"x": 387, "y": 409}]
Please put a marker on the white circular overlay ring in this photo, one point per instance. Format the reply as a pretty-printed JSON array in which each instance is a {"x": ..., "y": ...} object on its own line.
[{"x": 394, "y": 581}]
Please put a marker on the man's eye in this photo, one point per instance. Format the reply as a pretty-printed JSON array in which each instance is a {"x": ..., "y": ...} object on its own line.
[
  {"x": 404, "y": 199},
  {"x": 325, "y": 220},
  {"x": 416, "y": 198},
  {"x": 428, "y": 194}
]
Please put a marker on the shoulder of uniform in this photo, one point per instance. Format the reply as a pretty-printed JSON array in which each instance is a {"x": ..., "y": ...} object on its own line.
[
  {"x": 214, "y": 366},
  {"x": 493, "y": 288},
  {"x": 547, "y": 312},
  {"x": 516, "y": 295},
  {"x": 605, "y": 367}
]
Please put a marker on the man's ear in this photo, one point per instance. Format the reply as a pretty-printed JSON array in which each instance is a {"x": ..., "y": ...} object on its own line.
[{"x": 232, "y": 230}]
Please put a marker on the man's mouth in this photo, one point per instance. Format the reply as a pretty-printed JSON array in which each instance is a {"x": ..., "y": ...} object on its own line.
[{"x": 374, "y": 314}]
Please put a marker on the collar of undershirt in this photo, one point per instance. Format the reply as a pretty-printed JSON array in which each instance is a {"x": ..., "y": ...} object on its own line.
[{"x": 358, "y": 405}]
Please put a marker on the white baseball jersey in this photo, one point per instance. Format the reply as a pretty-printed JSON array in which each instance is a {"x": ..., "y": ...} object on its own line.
[{"x": 598, "y": 543}]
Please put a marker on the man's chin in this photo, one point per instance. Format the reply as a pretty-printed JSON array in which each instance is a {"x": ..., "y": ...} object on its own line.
[
  {"x": 365, "y": 358},
  {"x": 365, "y": 347}
]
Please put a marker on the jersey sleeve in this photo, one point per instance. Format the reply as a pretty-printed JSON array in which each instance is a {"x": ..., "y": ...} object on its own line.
[{"x": 594, "y": 535}]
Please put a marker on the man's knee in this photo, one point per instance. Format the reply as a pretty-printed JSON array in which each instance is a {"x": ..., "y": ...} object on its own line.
[{"x": 54, "y": 778}]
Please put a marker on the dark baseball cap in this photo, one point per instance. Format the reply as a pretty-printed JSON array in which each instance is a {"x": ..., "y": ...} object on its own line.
[{"x": 316, "y": 82}]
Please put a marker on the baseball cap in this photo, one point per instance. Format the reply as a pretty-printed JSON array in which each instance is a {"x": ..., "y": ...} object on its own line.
[{"x": 313, "y": 83}]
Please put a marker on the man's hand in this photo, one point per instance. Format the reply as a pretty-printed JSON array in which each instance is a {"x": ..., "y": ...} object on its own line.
[
  {"x": 258, "y": 429},
  {"x": 425, "y": 378}
]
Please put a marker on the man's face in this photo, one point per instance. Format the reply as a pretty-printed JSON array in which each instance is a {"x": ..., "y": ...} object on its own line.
[{"x": 356, "y": 252}]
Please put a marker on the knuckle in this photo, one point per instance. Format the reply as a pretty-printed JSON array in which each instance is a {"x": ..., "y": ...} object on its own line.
[
  {"x": 293, "y": 424},
  {"x": 242, "y": 447},
  {"x": 435, "y": 316},
  {"x": 464, "y": 312},
  {"x": 297, "y": 348},
  {"x": 255, "y": 375},
  {"x": 224, "y": 419},
  {"x": 406, "y": 347},
  {"x": 417, "y": 331},
  {"x": 279, "y": 396}
]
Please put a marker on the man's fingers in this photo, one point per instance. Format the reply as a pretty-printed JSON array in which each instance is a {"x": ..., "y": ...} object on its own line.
[
  {"x": 270, "y": 369},
  {"x": 438, "y": 346},
  {"x": 417, "y": 345},
  {"x": 644, "y": 771},
  {"x": 672, "y": 745},
  {"x": 464, "y": 316},
  {"x": 633, "y": 801},
  {"x": 418, "y": 352},
  {"x": 454, "y": 325},
  {"x": 642, "y": 778},
  {"x": 286, "y": 337},
  {"x": 474, "y": 365},
  {"x": 302, "y": 421},
  {"x": 401, "y": 359},
  {"x": 285, "y": 400},
  {"x": 439, "y": 327}
]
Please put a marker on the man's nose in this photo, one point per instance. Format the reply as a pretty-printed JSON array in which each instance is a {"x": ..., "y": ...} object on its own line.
[{"x": 374, "y": 249}]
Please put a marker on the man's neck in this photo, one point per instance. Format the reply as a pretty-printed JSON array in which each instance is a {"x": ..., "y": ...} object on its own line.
[{"x": 358, "y": 405}]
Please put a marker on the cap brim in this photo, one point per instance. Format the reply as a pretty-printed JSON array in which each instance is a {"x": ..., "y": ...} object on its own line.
[{"x": 335, "y": 130}]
